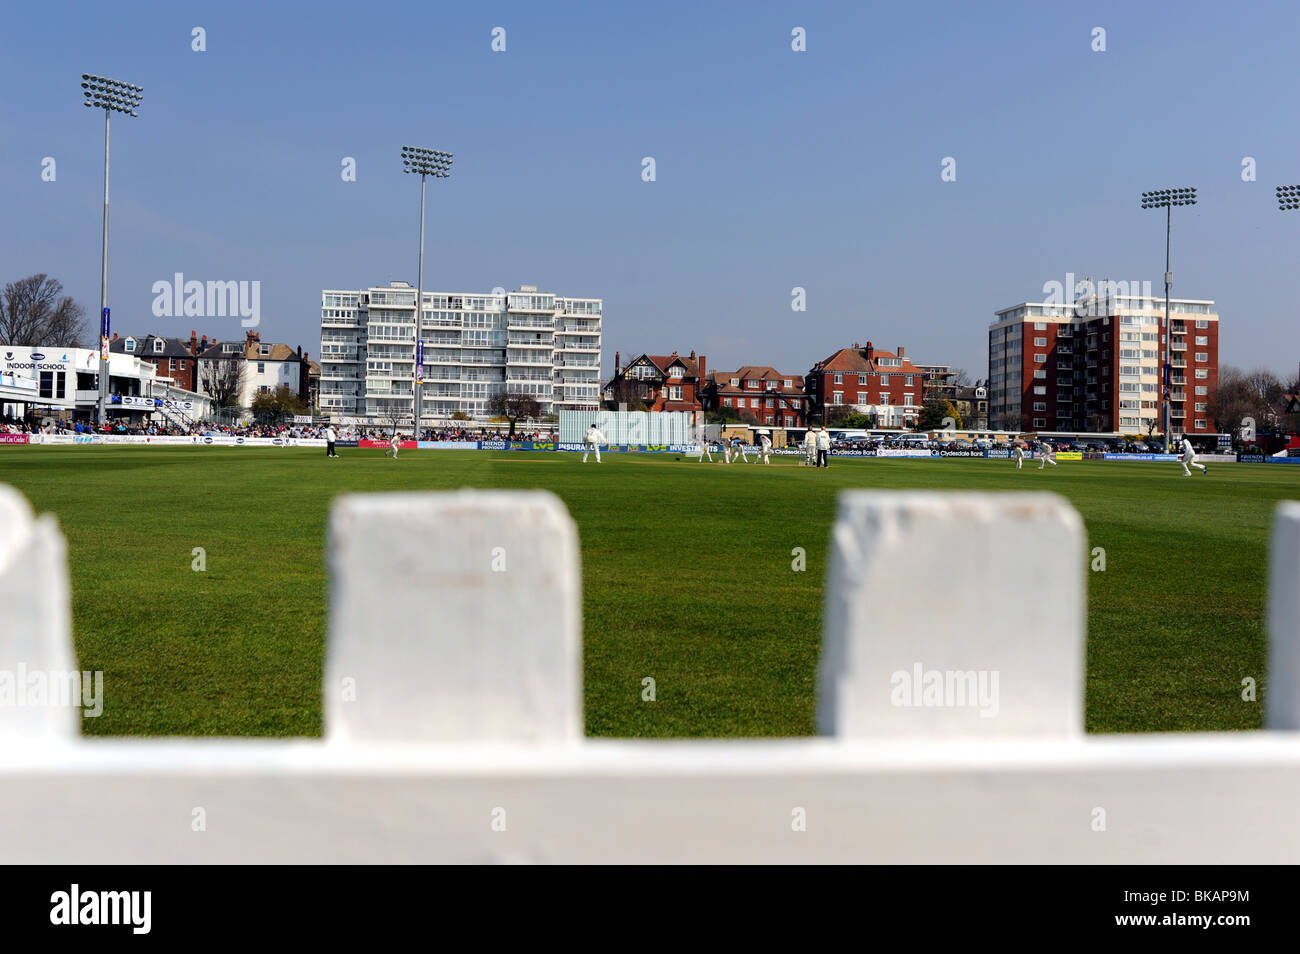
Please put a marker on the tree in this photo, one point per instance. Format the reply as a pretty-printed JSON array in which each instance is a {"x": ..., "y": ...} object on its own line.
[
  {"x": 275, "y": 405},
  {"x": 625, "y": 391},
  {"x": 34, "y": 311},
  {"x": 960, "y": 378},
  {"x": 223, "y": 380},
  {"x": 843, "y": 415},
  {"x": 934, "y": 413},
  {"x": 459, "y": 416},
  {"x": 723, "y": 415},
  {"x": 1255, "y": 396},
  {"x": 514, "y": 405}
]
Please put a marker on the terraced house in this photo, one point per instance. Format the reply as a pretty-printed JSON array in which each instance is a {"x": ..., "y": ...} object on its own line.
[
  {"x": 775, "y": 398},
  {"x": 661, "y": 382}
]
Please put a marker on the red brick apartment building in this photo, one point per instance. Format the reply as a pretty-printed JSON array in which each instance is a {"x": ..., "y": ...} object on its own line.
[
  {"x": 875, "y": 382},
  {"x": 663, "y": 382},
  {"x": 1097, "y": 366},
  {"x": 775, "y": 398}
]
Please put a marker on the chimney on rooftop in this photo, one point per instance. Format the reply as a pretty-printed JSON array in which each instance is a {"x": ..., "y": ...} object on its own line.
[
  {"x": 115, "y": 336},
  {"x": 901, "y": 352},
  {"x": 868, "y": 351},
  {"x": 704, "y": 369},
  {"x": 616, "y": 362}
]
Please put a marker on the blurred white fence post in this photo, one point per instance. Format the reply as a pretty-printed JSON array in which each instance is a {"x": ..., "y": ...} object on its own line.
[
  {"x": 1282, "y": 695},
  {"x": 454, "y": 617},
  {"x": 953, "y": 614},
  {"x": 37, "y": 664}
]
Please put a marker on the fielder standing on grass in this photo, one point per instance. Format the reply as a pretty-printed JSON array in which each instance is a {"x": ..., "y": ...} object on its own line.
[
  {"x": 1189, "y": 458},
  {"x": 1019, "y": 453},
  {"x": 592, "y": 443},
  {"x": 330, "y": 438},
  {"x": 1045, "y": 449},
  {"x": 394, "y": 443},
  {"x": 765, "y": 448}
]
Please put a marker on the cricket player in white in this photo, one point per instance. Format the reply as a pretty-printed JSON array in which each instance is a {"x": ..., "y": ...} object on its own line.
[
  {"x": 1189, "y": 459},
  {"x": 765, "y": 448},
  {"x": 741, "y": 449},
  {"x": 704, "y": 450},
  {"x": 810, "y": 448},
  {"x": 1045, "y": 458},
  {"x": 593, "y": 441},
  {"x": 1019, "y": 453},
  {"x": 823, "y": 447},
  {"x": 394, "y": 443}
]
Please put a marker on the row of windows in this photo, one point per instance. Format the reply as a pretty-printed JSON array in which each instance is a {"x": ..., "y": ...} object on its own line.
[
  {"x": 740, "y": 402},
  {"x": 864, "y": 399},
  {"x": 862, "y": 379}
]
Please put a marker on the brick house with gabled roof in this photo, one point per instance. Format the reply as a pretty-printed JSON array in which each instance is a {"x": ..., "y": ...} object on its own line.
[
  {"x": 663, "y": 382},
  {"x": 267, "y": 366},
  {"x": 775, "y": 398},
  {"x": 174, "y": 358},
  {"x": 870, "y": 382}
]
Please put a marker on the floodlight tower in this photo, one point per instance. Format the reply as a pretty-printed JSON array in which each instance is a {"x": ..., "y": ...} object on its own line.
[
  {"x": 112, "y": 96},
  {"x": 1166, "y": 199},
  {"x": 425, "y": 162}
]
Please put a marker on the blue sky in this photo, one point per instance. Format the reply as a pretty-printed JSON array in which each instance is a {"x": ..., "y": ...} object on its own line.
[{"x": 774, "y": 169}]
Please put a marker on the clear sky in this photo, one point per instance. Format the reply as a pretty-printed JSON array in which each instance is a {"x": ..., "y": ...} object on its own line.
[{"x": 774, "y": 168}]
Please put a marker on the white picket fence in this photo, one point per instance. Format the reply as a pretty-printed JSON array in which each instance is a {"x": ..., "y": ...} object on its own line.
[{"x": 456, "y": 734}]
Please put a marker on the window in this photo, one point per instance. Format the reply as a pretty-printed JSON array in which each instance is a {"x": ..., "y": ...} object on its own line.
[
  {"x": 159, "y": 345},
  {"x": 752, "y": 383},
  {"x": 1201, "y": 425},
  {"x": 1040, "y": 375},
  {"x": 675, "y": 392},
  {"x": 1040, "y": 406},
  {"x": 788, "y": 383},
  {"x": 1200, "y": 406},
  {"x": 1040, "y": 422},
  {"x": 907, "y": 400},
  {"x": 753, "y": 402},
  {"x": 908, "y": 380},
  {"x": 1202, "y": 372},
  {"x": 884, "y": 380},
  {"x": 1202, "y": 356},
  {"x": 171, "y": 364},
  {"x": 1040, "y": 326},
  {"x": 1040, "y": 389},
  {"x": 1202, "y": 391},
  {"x": 862, "y": 397},
  {"x": 261, "y": 367},
  {"x": 735, "y": 382},
  {"x": 1202, "y": 325},
  {"x": 1202, "y": 339},
  {"x": 1040, "y": 342},
  {"x": 884, "y": 400},
  {"x": 1040, "y": 357},
  {"x": 726, "y": 402},
  {"x": 839, "y": 378},
  {"x": 130, "y": 345},
  {"x": 766, "y": 403},
  {"x": 839, "y": 397}
]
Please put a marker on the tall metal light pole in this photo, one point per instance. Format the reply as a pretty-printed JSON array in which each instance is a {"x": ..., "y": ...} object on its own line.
[
  {"x": 1166, "y": 199},
  {"x": 425, "y": 162},
  {"x": 111, "y": 96}
]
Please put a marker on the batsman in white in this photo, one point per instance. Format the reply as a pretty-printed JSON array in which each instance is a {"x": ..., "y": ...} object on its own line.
[
  {"x": 1189, "y": 459},
  {"x": 1045, "y": 455},
  {"x": 1018, "y": 451},
  {"x": 810, "y": 448},
  {"x": 704, "y": 450},
  {"x": 765, "y": 448},
  {"x": 592, "y": 443},
  {"x": 741, "y": 451}
]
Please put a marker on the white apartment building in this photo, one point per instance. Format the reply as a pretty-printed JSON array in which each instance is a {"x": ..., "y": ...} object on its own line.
[{"x": 475, "y": 345}]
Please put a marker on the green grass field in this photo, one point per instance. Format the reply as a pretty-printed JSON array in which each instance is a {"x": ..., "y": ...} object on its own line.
[{"x": 686, "y": 577}]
